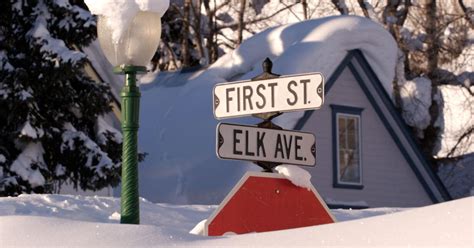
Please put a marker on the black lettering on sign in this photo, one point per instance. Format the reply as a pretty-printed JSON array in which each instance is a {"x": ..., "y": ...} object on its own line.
[
  {"x": 298, "y": 147},
  {"x": 287, "y": 145},
  {"x": 295, "y": 96},
  {"x": 259, "y": 93},
  {"x": 248, "y": 92},
  {"x": 236, "y": 141},
  {"x": 238, "y": 99},
  {"x": 272, "y": 86},
  {"x": 304, "y": 82},
  {"x": 247, "y": 152},
  {"x": 279, "y": 147},
  {"x": 228, "y": 98},
  {"x": 260, "y": 145}
]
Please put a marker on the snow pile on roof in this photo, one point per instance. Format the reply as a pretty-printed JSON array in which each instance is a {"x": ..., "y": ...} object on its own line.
[
  {"x": 120, "y": 13},
  {"x": 296, "y": 175},
  {"x": 317, "y": 45},
  {"x": 416, "y": 102},
  {"x": 177, "y": 126},
  {"x": 54, "y": 220}
]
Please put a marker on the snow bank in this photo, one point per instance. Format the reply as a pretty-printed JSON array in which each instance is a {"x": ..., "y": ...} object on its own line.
[
  {"x": 96, "y": 209},
  {"x": 120, "y": 13},
  {"x": 297, "y": 176},
  {"x": 52, "y": 220}
]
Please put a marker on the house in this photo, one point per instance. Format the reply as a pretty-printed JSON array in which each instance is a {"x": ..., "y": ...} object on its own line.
[
  {"x": 366, "y": 157},
  {"x": 370, "y": 153}
]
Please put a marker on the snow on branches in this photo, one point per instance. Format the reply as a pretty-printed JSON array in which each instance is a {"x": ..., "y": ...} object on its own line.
[{"x": 49, "y": 107}]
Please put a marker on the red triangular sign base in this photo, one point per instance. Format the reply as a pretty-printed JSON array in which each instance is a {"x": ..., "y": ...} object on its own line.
[{"x": 263, "y": 202}]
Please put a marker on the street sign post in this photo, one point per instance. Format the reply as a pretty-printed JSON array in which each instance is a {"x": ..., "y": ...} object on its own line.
[
  {"x": 267, "y": 201},
  {"x": 282, "y": 94},
  {"x": 264, "y": 144}
]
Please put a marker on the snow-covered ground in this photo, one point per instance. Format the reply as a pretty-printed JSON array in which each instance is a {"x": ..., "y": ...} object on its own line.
[{"x": 66, "y": 221}]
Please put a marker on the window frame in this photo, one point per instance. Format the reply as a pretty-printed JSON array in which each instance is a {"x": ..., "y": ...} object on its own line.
[{"x": 337, "y": 111}]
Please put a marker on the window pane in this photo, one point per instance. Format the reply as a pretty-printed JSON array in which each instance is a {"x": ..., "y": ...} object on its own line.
[
  {"x": 351, "y": 133},
  {"x": 350, "y": 123},
  {"x": 342, "y": 131},
  {"x": 349, "y": 161},
  {"x": 342, "y": 161}
]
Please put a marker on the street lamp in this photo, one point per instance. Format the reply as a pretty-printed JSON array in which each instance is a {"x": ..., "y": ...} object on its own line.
[{"x": 129, "y": 56}]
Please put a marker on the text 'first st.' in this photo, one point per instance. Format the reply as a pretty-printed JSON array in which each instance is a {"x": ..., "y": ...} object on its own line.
[{"x": 284, "y": 94}]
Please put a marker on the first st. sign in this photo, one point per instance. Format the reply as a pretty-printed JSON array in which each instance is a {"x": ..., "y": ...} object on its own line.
[{"x": 283, "y": 94}]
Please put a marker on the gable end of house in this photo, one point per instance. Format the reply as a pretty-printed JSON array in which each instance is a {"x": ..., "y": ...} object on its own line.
[{"x": 391, "y": 119}]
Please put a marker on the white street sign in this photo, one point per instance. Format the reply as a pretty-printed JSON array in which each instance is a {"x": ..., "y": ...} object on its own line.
[
  {"x": 263, "y": 144},
  {"x": 283, "y": 94}
]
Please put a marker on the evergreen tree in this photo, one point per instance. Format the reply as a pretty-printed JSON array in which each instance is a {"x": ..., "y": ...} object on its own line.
[{"x": 51, "y": 125}]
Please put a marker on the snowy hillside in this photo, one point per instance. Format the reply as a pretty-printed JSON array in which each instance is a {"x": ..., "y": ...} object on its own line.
[{"x": 53, "y": 220}]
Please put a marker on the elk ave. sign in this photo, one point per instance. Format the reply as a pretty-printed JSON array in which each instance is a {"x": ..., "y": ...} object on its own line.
[
  {"x": 267, "y": 145},
  {"x": 283, "y": 94}
]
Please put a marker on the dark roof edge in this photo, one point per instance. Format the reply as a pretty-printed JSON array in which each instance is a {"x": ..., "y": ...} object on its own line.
[{"x": 402, "y": 125}]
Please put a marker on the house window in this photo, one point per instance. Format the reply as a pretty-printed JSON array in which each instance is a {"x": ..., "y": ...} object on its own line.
[{"x": 347, "y": 147}]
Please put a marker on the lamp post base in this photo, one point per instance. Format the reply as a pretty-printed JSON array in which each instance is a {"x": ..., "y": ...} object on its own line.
[{"x": 130, "y": 95}]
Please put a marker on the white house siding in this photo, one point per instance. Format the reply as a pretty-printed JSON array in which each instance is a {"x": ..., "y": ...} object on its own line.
[{"x": 387, "y": 177}]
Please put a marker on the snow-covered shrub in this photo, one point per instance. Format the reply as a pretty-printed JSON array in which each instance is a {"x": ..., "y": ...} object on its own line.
[{"x": 49, "y": 107}]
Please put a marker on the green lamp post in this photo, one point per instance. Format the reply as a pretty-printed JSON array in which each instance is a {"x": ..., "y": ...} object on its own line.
[{"x": 129, "y": 56}]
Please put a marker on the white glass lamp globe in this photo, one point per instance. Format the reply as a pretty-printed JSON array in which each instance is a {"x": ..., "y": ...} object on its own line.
[{"x": 137, "y": 44}]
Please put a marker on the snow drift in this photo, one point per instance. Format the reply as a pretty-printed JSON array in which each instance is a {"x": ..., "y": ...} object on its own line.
[{"x": 53, "y": 220}]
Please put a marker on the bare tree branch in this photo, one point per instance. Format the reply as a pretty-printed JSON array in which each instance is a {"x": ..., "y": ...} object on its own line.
[
  {"x": 468, "y": 134},
  {"x": 289, "y": 8},
  {"x": 235, "y": 25},
  {"x": 468, "y": 13},
  {"x": 341, "y": 6},
  {"x": 364, "y": 8},
  {"x": 304, "y": 5},
  {"x": 185, "y": 34},
  {"x": 240, "y": 26},
  {"x": 211, "y": 39},
  {"x": 196, "y": 27},
  {"x": 173, "y": 56}
]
